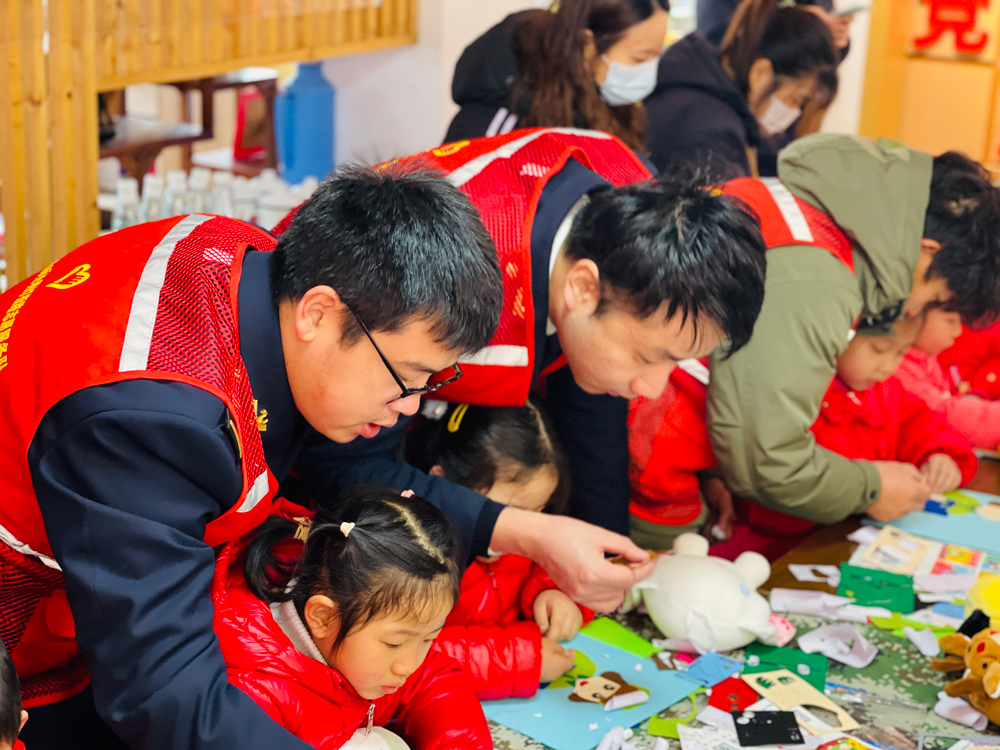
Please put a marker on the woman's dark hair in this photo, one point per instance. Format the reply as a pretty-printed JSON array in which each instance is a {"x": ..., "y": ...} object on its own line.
[
  {"x": 796, "y": 41},
  {"x": 477, "y": 446},
  {"x": 555, "y": 84},
  {"x": 675, "y": 242},
  {"x": 10, "y": 698},
  {"x": 399, "y": 557},
  {"x": 396, "y": 241},
  {"x": 963, "y": 215}
]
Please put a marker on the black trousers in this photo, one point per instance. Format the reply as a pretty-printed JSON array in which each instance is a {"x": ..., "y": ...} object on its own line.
[{"x": 72, "y": 723}]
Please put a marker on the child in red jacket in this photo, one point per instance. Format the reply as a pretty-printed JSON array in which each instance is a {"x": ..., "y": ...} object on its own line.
[
  {"x": 969, "y": 411},
  {"x": 332, "y": 635},
  {"x": 12, "y": 717},
  {"x": 973, "y": 361},
  {"x": 508, "y": 621}
]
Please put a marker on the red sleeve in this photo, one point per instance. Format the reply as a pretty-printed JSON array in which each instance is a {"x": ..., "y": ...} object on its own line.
[
  {"x": 502, "y": 661},
  {"x": 539, "y": 581},
  {"x": 440, "y": 711},
  {"x": 924, "y": 432},
  {"x": 971, "y": 350}
]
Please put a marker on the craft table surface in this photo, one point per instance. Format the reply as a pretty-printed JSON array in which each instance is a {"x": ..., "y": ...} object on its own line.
[{"x": 899, "y": 670}]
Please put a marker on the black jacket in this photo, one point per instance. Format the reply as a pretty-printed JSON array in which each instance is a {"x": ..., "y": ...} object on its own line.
[{"x": 697, "y": 114}]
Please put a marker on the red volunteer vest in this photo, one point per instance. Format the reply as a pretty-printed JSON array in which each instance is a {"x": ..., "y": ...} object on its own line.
[
  {"x": 504, "y": 177},
  {"x": 155, "y": 301},
  {"x": 784, "y": 220}
]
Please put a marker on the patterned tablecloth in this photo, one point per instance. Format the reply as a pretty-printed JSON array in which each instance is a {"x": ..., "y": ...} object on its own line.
[{"x": 899, "y": 671}]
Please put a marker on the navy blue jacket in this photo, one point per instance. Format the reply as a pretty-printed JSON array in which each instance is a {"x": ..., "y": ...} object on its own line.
[
  {"x": 127, "y": 476},
  {"x": 592, "y": 429}
]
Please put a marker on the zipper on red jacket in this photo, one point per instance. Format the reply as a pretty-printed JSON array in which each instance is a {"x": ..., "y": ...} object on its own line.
[{"x": 371, "y": 715}]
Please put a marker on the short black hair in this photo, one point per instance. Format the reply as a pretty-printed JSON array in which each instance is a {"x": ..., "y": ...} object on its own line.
[
  {"x": 476, "y": 446},
  {"x": 400, "y": 555},
  {"x": 678, "y": 242},
  {"x": 963, "y": 215},
  {"x": 10, "y": 698},
  {"x": 395, "y": 241}
]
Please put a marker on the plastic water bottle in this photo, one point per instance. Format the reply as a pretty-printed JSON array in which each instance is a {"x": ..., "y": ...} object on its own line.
[
  {"x": 152, "y": 198},
  {"x": 174, "y": 201},
  {"x": 199, "y": 190},
  {"x": 126, "y": 210},
  {"x": 221, "y": 200},
  {"x": 244, "y": 199},
  {"x": 303, "y": 118}
]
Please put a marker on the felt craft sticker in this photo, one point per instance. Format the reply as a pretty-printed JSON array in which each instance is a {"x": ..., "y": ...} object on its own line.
[
  {"x": 877, "y": 588},
  {"x": 712, "y": 668},
  {"x": 811, "y": 667},
  {"x": 732, "y": 694},
  {"x": 787, "y": 690},
  {"x": 767, "y": 728},
  {"x": 896, "y": 551}
]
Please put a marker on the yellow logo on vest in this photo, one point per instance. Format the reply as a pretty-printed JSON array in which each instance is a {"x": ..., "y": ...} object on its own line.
[
  {"x": 450, "y": 148},
  {"x": 74, "y": 278},
  {"x": 261, "y": 417}
]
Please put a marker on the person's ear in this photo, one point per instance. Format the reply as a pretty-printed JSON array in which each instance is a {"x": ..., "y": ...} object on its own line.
[
  {"x": 24, "y": 720},
  {"x": 760, "y": 82},
  {"x": 929, "y": 246},
  {"x": 589, "y": 48},
  {"x": 582, "y": 290},
  {"x": 320, "y": 615},
  {"x": 436, "y": 471},
  {"x": 317, "y": 310}
]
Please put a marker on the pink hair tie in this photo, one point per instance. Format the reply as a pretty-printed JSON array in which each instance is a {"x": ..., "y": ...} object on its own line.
[{"x": 406, "y": 493}]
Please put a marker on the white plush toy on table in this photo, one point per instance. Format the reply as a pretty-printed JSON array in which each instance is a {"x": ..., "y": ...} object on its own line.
[{"x": 710, "y": 602}]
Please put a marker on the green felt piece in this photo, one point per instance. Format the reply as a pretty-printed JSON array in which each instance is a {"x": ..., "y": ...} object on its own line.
[
  {"x": 810, "y": 667},
  {"x": 608, "y": 631},
  {"x": 877, "y": 588}
]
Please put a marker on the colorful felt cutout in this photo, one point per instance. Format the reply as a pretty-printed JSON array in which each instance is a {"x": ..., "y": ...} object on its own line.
[
  {"x": 767, "y": 728},
  {"x": 607, "y": 630},
  {"x": 732, "y": 694},
  {"x": 712, "y": 668},
  {"x": 877, "y": 588},
  {"x": 810, "y": 667},
  {"x": 786, "y": 691}
]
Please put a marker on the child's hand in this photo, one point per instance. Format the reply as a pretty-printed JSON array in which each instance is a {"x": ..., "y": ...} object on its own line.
[
  {"x": 556, "y": 660},
  {"x": 941, "y": 472},
  {"x": 557, "y": 616}
]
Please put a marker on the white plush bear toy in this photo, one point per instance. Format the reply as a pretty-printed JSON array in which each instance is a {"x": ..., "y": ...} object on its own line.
[{"x": 711, "y": 602}]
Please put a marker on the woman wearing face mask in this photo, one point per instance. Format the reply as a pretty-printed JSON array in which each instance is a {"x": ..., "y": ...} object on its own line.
[
  {"x": 714, "y": 106},
  {"x": 584, "y": 65}
]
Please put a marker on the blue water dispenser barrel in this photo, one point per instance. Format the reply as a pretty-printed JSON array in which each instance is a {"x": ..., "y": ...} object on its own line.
[{"x": 303, "y": 115}]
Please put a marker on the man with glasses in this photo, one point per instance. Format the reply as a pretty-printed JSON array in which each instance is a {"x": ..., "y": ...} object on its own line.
[{"x": 155, "y": 386}]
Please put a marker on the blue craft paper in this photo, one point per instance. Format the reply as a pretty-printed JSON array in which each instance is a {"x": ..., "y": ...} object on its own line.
[
  {"x": 712, "y": 668},
  {"x": 949, "y": 610},
  {"x": 564, "y": 725},
  {"x": 965, "y": 529}
]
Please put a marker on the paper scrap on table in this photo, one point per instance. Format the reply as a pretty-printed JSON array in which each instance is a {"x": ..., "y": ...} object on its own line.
[
  {"x": 864, "y": 535},
  {"x": 957, "y": 710},
  {"x": 839, "y": 642},
  {"x": 896, "y": 551},
  {"x": 712, "y": 668},
  {"x": 925, "y": 640},
  {"x": 828, "y": 574},
  {"x": 821, "y": 604},
  {"x": 615, "y": 739},
  {"x": 934, "y": 583}
]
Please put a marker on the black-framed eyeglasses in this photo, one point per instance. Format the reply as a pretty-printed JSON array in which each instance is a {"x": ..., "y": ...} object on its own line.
[{"x": 406, "y": 392}]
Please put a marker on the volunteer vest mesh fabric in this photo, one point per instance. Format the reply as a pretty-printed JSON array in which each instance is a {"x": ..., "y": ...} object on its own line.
[
  {"x": 155, "y": 301},
  {"x": 668, "y": 438},
  {"x": 504, "y": 176}
]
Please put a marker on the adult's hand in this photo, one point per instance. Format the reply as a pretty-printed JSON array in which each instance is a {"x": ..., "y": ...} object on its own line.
[
  {"x": 719, "y": 500},
  {"x": 572, "y": 552},
  {"x": 904, "y": 489}
]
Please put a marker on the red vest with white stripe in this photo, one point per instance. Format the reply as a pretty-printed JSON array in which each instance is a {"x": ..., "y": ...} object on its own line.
[
  {"x": 664, "y": 482},
  {"x": 156, "y": 301},
  {"x": 504, "y": 177}
]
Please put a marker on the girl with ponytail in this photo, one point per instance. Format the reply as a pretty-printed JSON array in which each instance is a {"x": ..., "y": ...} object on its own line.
[
  {"x": 327, "y": 621},
  {"x": 508, "y": 621},
  {"x": 716, "y": 106},
  {"x": 583, "y": 64}
]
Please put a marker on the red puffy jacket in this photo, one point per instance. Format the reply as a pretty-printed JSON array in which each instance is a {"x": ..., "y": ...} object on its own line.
[
  {"x": 975, "y": 357},
  {"x": 436, "y": 709},
  {"x": 491, "y": 630}
]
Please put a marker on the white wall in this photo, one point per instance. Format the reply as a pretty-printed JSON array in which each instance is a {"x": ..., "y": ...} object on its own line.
[
  {"x": 845, "y": 112},
  {"x": 398, "y": 102}
]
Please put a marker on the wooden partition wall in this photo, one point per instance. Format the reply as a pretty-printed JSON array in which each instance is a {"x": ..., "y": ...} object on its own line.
[{"x": 60, "y": 57}]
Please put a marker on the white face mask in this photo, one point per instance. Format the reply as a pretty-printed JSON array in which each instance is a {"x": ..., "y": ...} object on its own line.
[
  {"x": 628, "y": 84},
  {"x": 778, "y": 117}
]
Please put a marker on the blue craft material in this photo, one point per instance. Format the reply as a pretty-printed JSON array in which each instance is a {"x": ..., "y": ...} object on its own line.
[
  {"x": 552, "y": 719},
  {"x": 936, "y": 507},
  {"x": 712, "y": 668},
  {"x": 949, "y": 610},
  {"x": 964, "y": 529}
]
